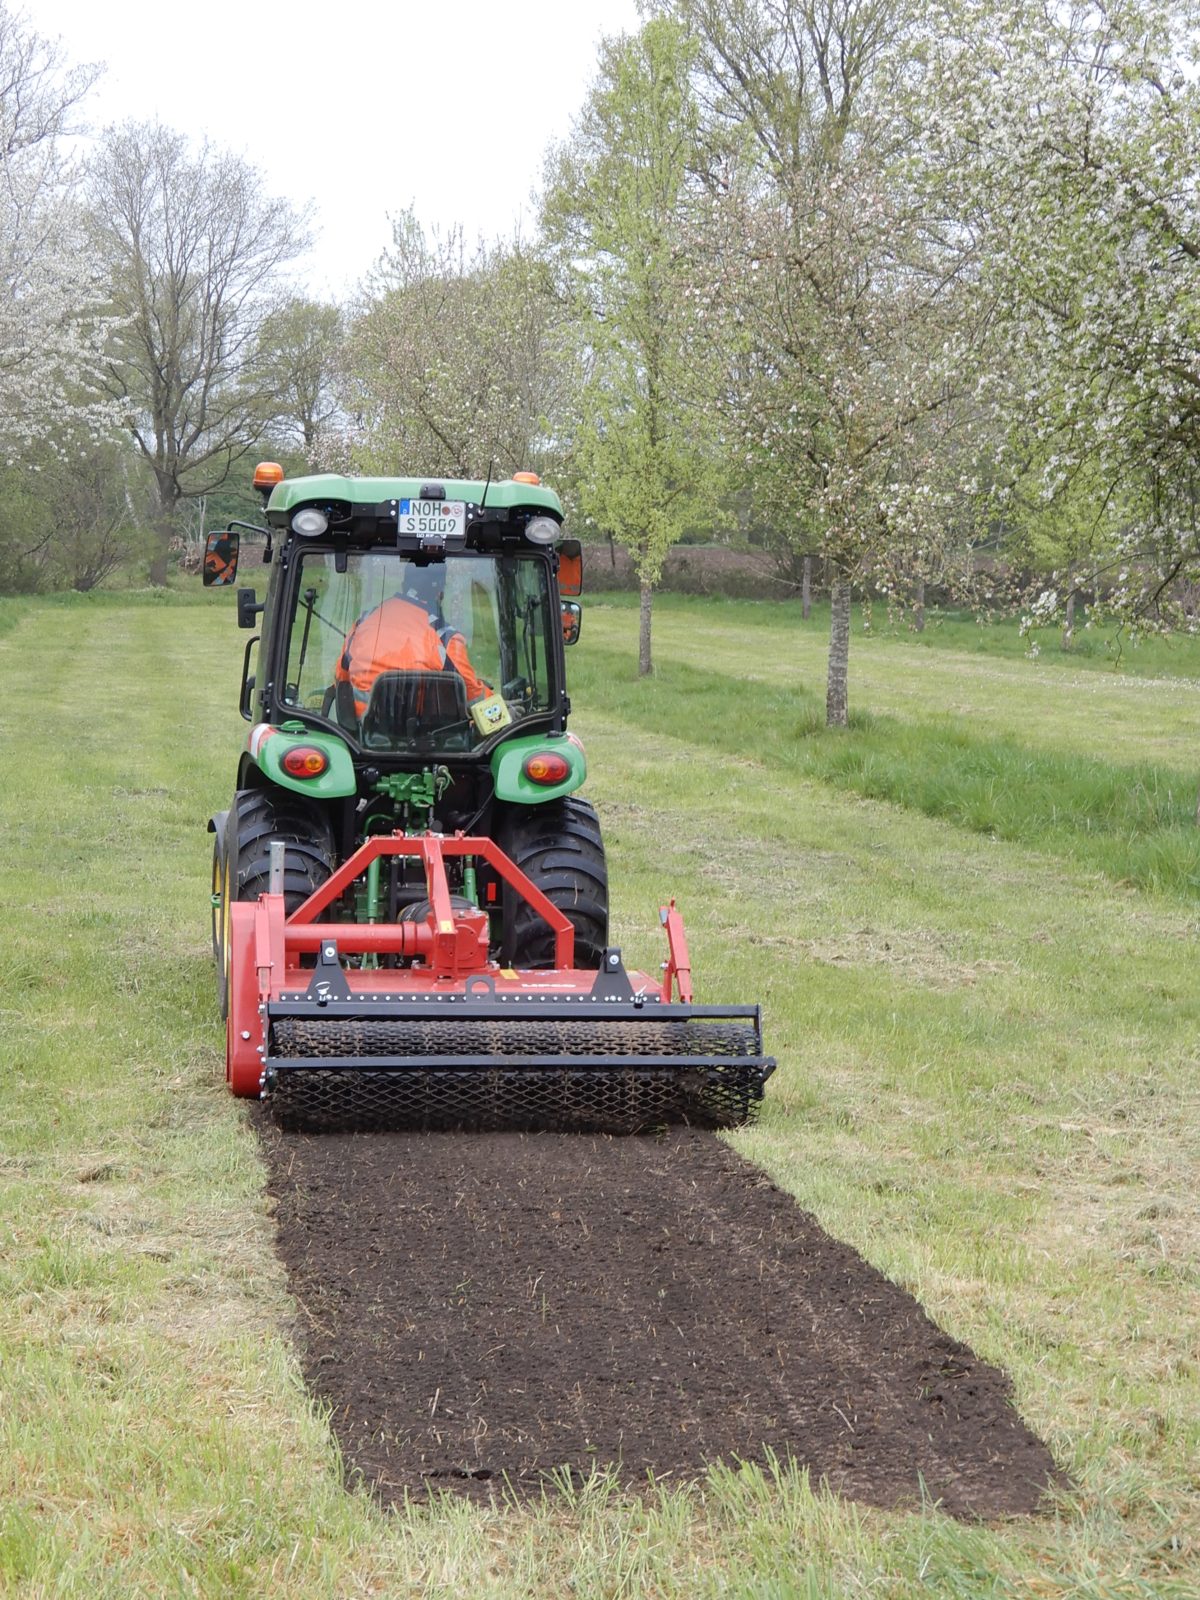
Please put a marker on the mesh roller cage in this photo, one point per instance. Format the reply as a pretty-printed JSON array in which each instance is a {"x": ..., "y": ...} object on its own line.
[{"x": 460, "y": 1064}]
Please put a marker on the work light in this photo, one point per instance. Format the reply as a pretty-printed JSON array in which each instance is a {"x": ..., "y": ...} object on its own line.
[
  {"x": 310, "y": 522},
  {"x": 543, "y": 530}
]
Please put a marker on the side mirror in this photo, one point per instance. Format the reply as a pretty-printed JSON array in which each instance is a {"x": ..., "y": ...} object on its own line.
[
  {"x": 248, "y": 608},
  {"x": 570, "y": 567},
  {"x": 221, "y": 558},
  {"x": 572, "y": 618}
]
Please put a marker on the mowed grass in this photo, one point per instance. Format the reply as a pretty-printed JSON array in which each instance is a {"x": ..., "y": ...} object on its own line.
[
  {"x": 1090, "y": 764},
  {"x": 987, "y": 1083}
]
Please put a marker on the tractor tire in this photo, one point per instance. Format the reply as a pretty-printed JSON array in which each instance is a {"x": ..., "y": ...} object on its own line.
[
  {"x": 558, "y": 847},
  {"x": 242, "y": 860},
  {"x": 265, "y": 816}
]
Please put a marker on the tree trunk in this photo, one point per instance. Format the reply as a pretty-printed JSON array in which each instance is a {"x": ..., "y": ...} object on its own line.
[
  {"x": 163, "y": 527},
  {"x": 161, "y": 550},
  {"x": 919, "y": 606},
  {"x": 806, "y": 589},
  {"x": 836, "y": 693},
  {"x": 1068, "y": 634},
  {"x": 645, "y": 663}
]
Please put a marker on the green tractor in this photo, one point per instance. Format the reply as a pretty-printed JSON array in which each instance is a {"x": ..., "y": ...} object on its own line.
[{"x": 409, "y": 898}]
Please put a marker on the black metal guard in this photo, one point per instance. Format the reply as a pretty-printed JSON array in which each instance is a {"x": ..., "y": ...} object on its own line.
[
  {"x": 550, "y": 1061},
  {"x": 507, "y": 1008}
]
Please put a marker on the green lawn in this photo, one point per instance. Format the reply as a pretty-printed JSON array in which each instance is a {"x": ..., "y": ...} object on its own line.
[
  {"x": 1088, "y": 763},
  {"x": 970, "y": 923}
]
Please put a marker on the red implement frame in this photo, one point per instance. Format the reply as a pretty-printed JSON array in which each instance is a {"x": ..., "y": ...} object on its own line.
[
  {"x": 444, "y": 952},
  {"x": 677, "y": 969}
]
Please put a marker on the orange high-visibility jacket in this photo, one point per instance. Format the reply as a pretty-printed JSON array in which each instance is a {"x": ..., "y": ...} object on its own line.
[{"x": 399, "y": 636}]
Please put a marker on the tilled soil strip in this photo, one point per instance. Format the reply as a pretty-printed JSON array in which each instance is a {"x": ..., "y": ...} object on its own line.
[{"x": 487, "y": 1307}]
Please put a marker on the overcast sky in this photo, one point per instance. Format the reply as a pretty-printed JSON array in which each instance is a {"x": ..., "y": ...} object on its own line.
[{"x": 363, "y": 109}]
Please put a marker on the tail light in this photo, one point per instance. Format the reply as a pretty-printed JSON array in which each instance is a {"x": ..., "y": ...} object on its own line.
[
  {"x": 544, "y": 766},
  {"x": 305, "y": 761}
]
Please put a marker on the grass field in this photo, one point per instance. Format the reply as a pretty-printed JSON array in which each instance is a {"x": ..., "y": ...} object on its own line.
[{"x": 971, "y": 921}]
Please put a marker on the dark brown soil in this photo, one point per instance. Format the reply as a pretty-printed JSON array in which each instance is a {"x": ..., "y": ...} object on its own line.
[{"x": 482, "y": 1308}]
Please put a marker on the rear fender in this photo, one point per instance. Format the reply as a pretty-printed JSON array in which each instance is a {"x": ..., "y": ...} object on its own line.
[
  {"x": 508, "y": 768},
  {"x": 267, "y": 746}
]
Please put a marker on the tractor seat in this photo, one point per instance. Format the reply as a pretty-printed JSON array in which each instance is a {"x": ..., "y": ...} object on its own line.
[{"x": 414, "y": 708}]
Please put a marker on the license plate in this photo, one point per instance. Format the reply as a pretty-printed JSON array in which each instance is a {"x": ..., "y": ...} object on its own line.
[{"x": 438, "y": 519}]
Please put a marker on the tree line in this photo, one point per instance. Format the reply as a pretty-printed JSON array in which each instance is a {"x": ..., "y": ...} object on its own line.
[{"x": 904, "y": 287}]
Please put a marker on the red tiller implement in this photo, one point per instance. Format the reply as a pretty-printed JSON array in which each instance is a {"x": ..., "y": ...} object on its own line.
[{"x": 408, "y": 1023}]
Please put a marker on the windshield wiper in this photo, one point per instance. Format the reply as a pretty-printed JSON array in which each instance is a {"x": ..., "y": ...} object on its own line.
[
  {"x": 529, "y": 637},
  {"x": 310, "y": 611}
]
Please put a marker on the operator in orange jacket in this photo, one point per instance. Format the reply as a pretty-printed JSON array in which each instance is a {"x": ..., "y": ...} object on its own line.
[{"x": 406, "y": 634}]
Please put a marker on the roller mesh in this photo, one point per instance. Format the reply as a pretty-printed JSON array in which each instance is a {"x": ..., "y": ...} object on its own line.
[
  {"x": 452, "y": 1036},
  {"x": 710, "y": 1088}
]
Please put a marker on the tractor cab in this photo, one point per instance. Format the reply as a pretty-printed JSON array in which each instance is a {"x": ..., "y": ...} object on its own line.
[
  {"x": 437, "y": 657},
  {"x": 413, "y": 619}
]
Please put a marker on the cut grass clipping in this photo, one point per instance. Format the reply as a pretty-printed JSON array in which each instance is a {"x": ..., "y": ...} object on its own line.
[{"x": 987, "y": 1085}]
